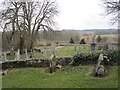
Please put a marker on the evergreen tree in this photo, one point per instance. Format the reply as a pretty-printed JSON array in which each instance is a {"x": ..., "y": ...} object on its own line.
[
  {"x": 71, "y": 41},
  {"x": 82, "y": 41}
]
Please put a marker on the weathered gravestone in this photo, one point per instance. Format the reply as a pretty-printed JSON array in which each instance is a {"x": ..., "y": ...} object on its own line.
[
  {"x": 17, "y": 55},
  {"x": 98, "y": 64},
  {"x": 100, "y": 69},
  {"x": 26, "y": 54},
  {"x": 53, "y": 63},
  {"x": 92, "y": 47}
]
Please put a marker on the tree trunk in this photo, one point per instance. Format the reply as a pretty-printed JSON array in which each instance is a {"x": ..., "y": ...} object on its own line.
[{"x": 21, "y": 45}]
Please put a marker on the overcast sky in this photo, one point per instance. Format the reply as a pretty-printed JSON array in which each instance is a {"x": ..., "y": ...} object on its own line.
[{"x": 82, "y": 14}]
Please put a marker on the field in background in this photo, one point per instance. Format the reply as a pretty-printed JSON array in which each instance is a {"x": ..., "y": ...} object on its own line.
[{"x": 110, "y": 38}]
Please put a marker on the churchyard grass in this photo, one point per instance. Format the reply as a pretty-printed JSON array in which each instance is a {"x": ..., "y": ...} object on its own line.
[
  {"x": 67, "y": 77},
  {"x": 63, "y": 51}
]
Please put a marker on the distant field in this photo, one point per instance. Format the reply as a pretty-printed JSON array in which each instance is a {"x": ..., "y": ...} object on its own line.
[
  {"x": 109, "y": 38},
  {"x": 67, "y": 77},
  {"x": 110, "y": 35}
]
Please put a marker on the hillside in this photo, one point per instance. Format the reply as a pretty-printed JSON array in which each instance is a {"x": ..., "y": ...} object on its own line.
[{"x": 96, "y": 31}]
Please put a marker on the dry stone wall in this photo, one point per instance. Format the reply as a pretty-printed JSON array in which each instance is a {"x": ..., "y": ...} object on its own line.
[{"x": 34, "y": 63}]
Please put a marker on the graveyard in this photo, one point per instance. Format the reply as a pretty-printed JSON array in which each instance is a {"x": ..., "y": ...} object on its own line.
[
  {"x": 67, "y": 77},
  {"x": 76, "y": 71},
  {"x": 40, "y": 48}
]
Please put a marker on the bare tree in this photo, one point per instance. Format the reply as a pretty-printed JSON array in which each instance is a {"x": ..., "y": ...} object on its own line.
[
  {"x": 9, "y": 20},
  {"x": 28, "y": 18},
  {"x": 112, "y": 7},
  {"x": 39, "y": 16}
]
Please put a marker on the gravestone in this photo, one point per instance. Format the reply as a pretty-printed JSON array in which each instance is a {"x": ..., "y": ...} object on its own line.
[
  {"x": 98, "y": 63},
  {"x": 92, "y": 47},
  {"x": 26, "y": 54},
  {"x": 17, "y": 55}
]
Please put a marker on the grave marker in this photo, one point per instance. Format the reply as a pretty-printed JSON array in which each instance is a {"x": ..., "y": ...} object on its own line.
[
  {"x": 92, "y": 47},
  {"x": 26, "y": 54},
  {"x": 17, "y": 55},
  {"x": 99, "y": 61}
]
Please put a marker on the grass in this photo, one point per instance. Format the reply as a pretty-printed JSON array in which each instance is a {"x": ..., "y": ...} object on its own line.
[
  {"x": 64, "y": 51},
  {"x": 67, "y": 77}
]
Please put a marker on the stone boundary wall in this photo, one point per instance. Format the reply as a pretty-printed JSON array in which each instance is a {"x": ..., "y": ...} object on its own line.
[{"x": 34, "y": 63}]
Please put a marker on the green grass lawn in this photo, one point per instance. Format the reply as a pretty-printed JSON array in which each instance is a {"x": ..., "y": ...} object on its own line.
[
  {"x": 64, "y": 51},
  {"x": 67, "y": 77}
]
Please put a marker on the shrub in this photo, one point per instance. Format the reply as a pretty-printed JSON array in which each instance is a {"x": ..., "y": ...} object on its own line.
[
  {"x": 98, "y": 38},
  {"x": 113, "y": 56},
  {"x": 82, "y": 58}
]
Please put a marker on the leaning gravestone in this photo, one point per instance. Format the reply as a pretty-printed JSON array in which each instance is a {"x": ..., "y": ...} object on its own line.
[
  {"x": 99, "y": 61},
  {"x": 100, "y": 70}
]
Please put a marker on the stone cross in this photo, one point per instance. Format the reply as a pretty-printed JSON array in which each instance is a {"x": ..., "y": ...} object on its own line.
[
  {"x": 53, "y": 60},
  {"x": 99, "y": 61},
  {"x": 26, "y": 54}
]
